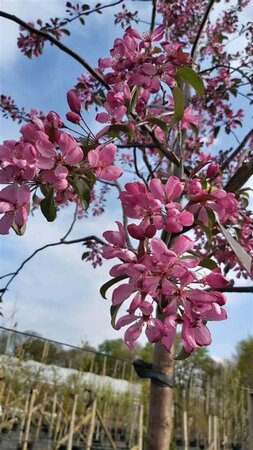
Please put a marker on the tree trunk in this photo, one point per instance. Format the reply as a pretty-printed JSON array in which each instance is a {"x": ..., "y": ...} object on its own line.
[{"x": 160, "y": 420}]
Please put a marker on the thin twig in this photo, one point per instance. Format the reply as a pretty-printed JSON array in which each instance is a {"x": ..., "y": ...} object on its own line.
[
  {"x": 72, "y": 224},
  {"x": 235, "y": 69},
  {"x": 236, "y": 138},
  {"x": 86, "y": 13},
  {"x": 211, "y": 2},
  {"x": 147, "y": 164},
  {"x": 136, "y": 167},
  {"x": 58, "y": 44},
  {"x": 237, "y": 150},
  {"x": 243, "y": 289},
  {"x": 52, "y": 244},
  {"x": 124, "y": 219},
  {"x": 152, "y": 23}
]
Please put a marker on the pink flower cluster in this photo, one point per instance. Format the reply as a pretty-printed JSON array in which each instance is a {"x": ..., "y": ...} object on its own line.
[
  {"x": 46, "y": 156},
  {"x": 137, "y": 63},
  {"x": 163, "y": 278},
  {"x": 155, "y": 206}
]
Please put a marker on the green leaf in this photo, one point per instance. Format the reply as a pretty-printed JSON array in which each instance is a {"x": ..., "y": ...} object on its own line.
[
  {"x": 48, "y": 207},
  {"x": 241, "y": 254},
  {"x": 192, "y": 78},
  {"x": 211, "y": 217},
  {"x": 160, "y": 123},
  {"x": 114, "y": 310},
  {"x": 179, "y": 103},
  {"x": 194, "y": 129},
  {"x": 45, "y": 189},
  {"x": 110, "y": 283},
  {"x": 206, "y": 229},
  {"x": 65, "y": 31},
  {"x": 208, "y": 263},
  {"x": 216, "y": 131},
  {"x": 85, "y": 7},
  {"x": 117, "y": 129},
  {"x": 133, "y": 101},
  {"x": 183, "y": 354},
  {"x": 83, "y": 191}
]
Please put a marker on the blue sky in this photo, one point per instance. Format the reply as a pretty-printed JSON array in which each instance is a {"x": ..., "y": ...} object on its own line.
[{"x": 57, "y": 294}]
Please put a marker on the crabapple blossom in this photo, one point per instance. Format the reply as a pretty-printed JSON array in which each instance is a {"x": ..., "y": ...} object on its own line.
[{"x": 101, "y": 160}]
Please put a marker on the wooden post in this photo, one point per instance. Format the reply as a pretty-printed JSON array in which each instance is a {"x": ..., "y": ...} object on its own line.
[
  {"x": 160, "y": 419},
  {"x": 52, "y": 421},
  {"x": 29, "y": 419},
  {"x": 45, "y": 352},
  {"x": 72, "y": 423},
  {"x": 107, "y": 432},
  {"x": 92, "y": 425},
  {"x": 123, "y": 370},
  {"x": 140, "y": 431},
  {"x": 38, "y": 426},
  {"x": 104, "y": 365},
  {"x": 250, "y": 409},
  {"x": 185, "y": 422},
  {"x": 22, "y": 425},
  {"x": 92, "y": 363},
  {"x": 215, "y": 433},
  {"x": 209, "y": 429}
]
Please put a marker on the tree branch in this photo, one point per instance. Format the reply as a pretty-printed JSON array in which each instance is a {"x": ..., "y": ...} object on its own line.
[
  {"x": 237, "y": 150},
  {"x": 53, "y": 244},
  {"x": 194, "y": 47},
  {"x": 242, "y": 289},
  {"x": 152, "y": 23},
  {"x": 87, "y": 13},
  {"x": 240, "y": 177},
  {"x": 235, "y": 69},
  {"x": 58, "y": 44}
]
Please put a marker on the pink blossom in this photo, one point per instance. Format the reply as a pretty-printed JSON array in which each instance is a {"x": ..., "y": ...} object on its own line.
[
  {"x": 14, "y": 204},
  {"x": 101, "y": 160},
  {"x": 216, "y": 280},
  {"x": 166, "y": 192},
  {"x": 190, "y": 119}
]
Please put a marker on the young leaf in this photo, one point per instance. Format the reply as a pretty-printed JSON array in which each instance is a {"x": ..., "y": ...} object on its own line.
[
  {"x": 133, "y": 101},
  {"x": 206, "y": 229},
  {"x": 192, "y": 78},
  {"x": 110, "y": 283},
  {"x": 114, "y": 310},
  {"x": 118, "y": 128},
  {"x": 85, "y": 7},
  {"x": 83, "y": 191},
  {"x": 241, "y": 254},
  {"x": 183, "y": 354},
  {"x": 160, "y": 123},
  {"x": 48, "y": 207},
  {"x": 208, "y": 263},
  {"x": 179, "y": 103}
]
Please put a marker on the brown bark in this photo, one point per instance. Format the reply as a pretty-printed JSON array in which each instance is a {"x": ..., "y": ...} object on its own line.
[{"x": 160, "y": 419}]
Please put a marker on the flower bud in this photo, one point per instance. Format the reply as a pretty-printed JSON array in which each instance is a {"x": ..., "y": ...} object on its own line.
[
  {"x": 74, "y": 101},
  {"x": 212, "y": 170},
  {"x": 135, "y": 231},
  {"x": 194, "y": 187},
  {"x": 150, "y": 231},
  {"x": 73, "y": 117},
  {"x": 54, "y": 119}
]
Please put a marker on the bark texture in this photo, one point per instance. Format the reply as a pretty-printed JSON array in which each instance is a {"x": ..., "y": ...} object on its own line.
[{"x": 160, "y": 418}]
